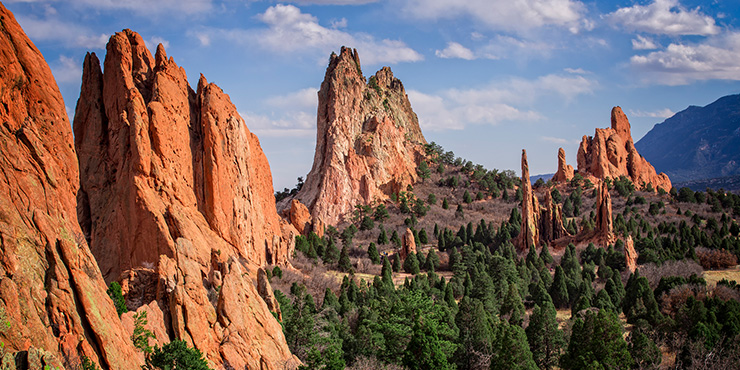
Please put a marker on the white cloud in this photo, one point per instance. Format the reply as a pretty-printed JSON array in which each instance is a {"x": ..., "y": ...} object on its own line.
[
  {"x": 502, "y": 47},
  {"x": 643, "y": 43},
  {"x": 455, "y": 50},
  {"x": 339, "y": 23},
  {"x": 68, "y": 33},
  {"x": 453, "y": 109},
  {"x": 666, "y": 17},
  {"x": 294, "y": 114},
  {"x": 556, "y": 140},
  {"x": 680, "y": 64},
  {"x": 291, "y": 31},
  {"x": 577, "y": 71},
  {"x": 504, "y": 15},
  {"x": 67, "y": 70},
  {"x": 332, "y": 2},
  {"x": 660, "y": 113}
]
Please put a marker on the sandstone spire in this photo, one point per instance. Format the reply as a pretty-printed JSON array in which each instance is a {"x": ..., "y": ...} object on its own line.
[
  {"x": 630, "y": 254},
  {"x": 529, "y": 234},
  {"x": 551, "y": 219},
  {"x": 611, "y": 153},
  {"x": 51, "y": 293},
  {"x": 368, "y": 140},
  {"x": 172, "y": 179},
  {"x": 604, "y": 223},
  {"x": 565, "y": 171}
]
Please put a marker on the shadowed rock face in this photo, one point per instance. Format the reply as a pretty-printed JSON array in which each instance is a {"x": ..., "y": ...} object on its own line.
[
  {"x": 51, "y": 290},
  {"x": 172, "y": 181},
  {"x": 611, "y": 153},
  {"x": 604, "y": 222},
  {"x": 368, "y": 140}
]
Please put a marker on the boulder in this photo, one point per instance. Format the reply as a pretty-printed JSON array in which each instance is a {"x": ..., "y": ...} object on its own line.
[
  {"x": 51, "y": 290},
  {"x": 368, "y": 141},
  {"x": 299, "y": 217}
]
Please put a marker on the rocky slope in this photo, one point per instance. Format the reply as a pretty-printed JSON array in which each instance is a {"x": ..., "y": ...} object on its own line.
[
  {"x": 368, "y": 140},
  {"x": 177, "y": 203},
  {"x": 53, "y": 303},
  {"x": 698, "y": 142},
  {"x": 611, "y": 153}
]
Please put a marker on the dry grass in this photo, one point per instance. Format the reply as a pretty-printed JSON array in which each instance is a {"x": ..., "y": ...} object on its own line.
[{"x": 713, "y": 276}]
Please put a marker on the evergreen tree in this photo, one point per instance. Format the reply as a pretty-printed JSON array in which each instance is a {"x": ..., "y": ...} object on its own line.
[
  {"x": 396, "y": 239},
  {"x": 445, "y": 204},
  {"x": 331, "y": 255},
  {"x": 512, "y": 306},
  {"x": 432, "y": 262},
  {"x": 372, "y": 253},
  {"x": 545, "y": 255},
  {"x": 545, "y": 338},
  {"x": 511, "y": 349},
  {"x": 425, "y": 350},
  {"x": 115, "y": 292},
  {"x": 475, "y": 346},
  {"x": 559, "y": 289},
  {"x": 387, "y": 275},
  {"x": 597, "y": 339},
  {"x": 396, "y": 263},
  {"x": 423, "y": 237},
  {"x": 330, "y": 300},
  {"x": 344, "y": 263},
  {"x": 639, "y": 301},
  {"x": 411, "y": 264},
  {"x": 467, "y": 198},
  {"x": 382, "y": 237},
  {"x": 644, "y": 351}
]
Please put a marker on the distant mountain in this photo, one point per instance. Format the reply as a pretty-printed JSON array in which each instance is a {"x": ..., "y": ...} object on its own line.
[
  {"x": 728, "y": 183},
  {"x": 697, "y": 143}
]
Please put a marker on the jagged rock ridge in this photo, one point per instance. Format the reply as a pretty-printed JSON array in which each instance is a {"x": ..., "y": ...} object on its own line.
[
  {"x": 611, "y": 153},
  {"x": 177, "y": 202},
  {"x": 368, "y": 140},
  {"x": 51, "y": 291}
]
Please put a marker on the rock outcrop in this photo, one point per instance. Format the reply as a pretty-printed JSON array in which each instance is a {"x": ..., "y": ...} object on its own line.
[
  {"x": 265, "y": 290},
  {"x": 408, "y": 244},
  {"x": 551, "y": 220},
  {"x": 299, "y": 217},
  {"x": 611, "y": 153},
  {"x": 565, "y": 171},
  {"x": 604, "y": 222},
  {"x": 529, "y": 234},
  {"x": 52, "y": 293},
  {"x": 173, "y": 181},
  {"x": 630, "y": 254},
  {"x": 368, "y": 140}
]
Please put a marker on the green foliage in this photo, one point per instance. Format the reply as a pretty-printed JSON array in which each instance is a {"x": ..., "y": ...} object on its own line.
[
  {"x": 367, "y": 223},
  {"x": 425, "y": 349},
  {"x": 396, "y": 263},
  {"x": 644, "y": 351},
  {"x": 423, "y": 171},
  {"x": 372, "y": 253},
  {"x": 445, "y": 203},
  {"x": 88, "y": 364},
  {"x": 556, "y": 197},
  {"x": 559, "y": 289},
  {"x": 140, "y": 337},
  {"x": 511, "y": 350},
  {"x": 177, "y": 355},
  {"x": 115, "y": 293},
  {"x": 411, "y": 264},
  {"x": 277, "y": 272},
  {"x": 639, "y": 301},
  {"x": 345, "y": 264},
  {"x": 467, "y": 198},
  {"x": 545, "y": 338},
  {"x": 597, "y": 339},
  {"x": 431, "y": 199},
  {"x": 475, "y": 340}
]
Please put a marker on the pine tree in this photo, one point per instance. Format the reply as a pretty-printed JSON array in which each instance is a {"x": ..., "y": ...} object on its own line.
[
  {"x": 467, "y": 198},
  {"x": 372, "y": 253},
  {"x": 545, "y": 255},
  {"x": 475, "y": 346},
  {"x": 445, "y": 204},
  {"x": 344, "y": 263},
  {"x": 511, "y": 349},
  {"x": 545, "y": 338},
  {"x": 330, "y": 300},
  {"x": 411, "y": 264},
  {"x": 432, "y": 262},
  {"x": 387, "y": 274},
  {"x": 598, "y": 338},
  {"x": 512, "y": 306},
  {"x": 559, "y": 289},
  {"x": 644, "y": 351},
  {"x": 396, "y": 263},
  {"x": 423, "y": 237},
  {"x": 639, "y": 301},
  {"x": 331, "y": 255},
  {"x": 425, "y": 349},
  {"x": 382, "y": 237}
]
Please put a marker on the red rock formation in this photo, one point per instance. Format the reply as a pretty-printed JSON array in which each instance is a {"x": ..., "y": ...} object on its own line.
[
  {"x": 368, "y": 140},
  {"x": 299, "y": 217},
  {"x": 630, "y": 254},
  {"x": 51, "y": 290},
  {"x": 172, "y": 179},
  {"x": 604, "y": 223},
  {"x": 318, "y": 227},
  {"x": 565, "y": 171},
  {"x": 408, "y": 244},
  {"x": 530, "y": 230},
  {"x": 551, "y": 220},
  {"x": 265, "y": 290},
  {"x": 611, "y": 153}
]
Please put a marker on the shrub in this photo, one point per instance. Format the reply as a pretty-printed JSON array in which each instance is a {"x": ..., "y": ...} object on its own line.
[
  {"x": 715, "y": 258},
  {"x": 177, "y": 355},
  {"x": 116, "y": 294}
]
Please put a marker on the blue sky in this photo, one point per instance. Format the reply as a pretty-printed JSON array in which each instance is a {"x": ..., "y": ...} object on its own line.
[{"x": 486, "y": 77}]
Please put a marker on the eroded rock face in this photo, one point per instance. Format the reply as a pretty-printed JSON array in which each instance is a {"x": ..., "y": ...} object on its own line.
[
  {"x": 408, "y": 244},
  {"x": 172, "y": 180},
  {"x": 368, "y": 140},
  {"x": 630, "y": 254},
  {"x": 51, "y": 290},
  {"x": 551, "y": 220},
  {"x": 530, "y": 230},
  {"x": 265, "y": 290},
  {"x": 611, "y": 153},
  {"x": 604, "y": 222},
  {"x": 299, "y": 217},
  {"x": 565, "y": 171}
]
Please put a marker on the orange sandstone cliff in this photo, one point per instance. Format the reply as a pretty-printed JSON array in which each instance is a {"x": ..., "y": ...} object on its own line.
[
  {"x": 52, "y": 294},
  {"x": 368, "y": 140},
  {"x": 176, "y": 201},
  {"x": 611, "y": 153}
]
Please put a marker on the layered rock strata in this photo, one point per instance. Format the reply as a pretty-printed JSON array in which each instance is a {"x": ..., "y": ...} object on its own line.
[
  {"x": 52, "y": 294},
  {"x": 368, "y": 140},
  {"x": 611, "y": 153},
  {"x": 173, "y": 182}
]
